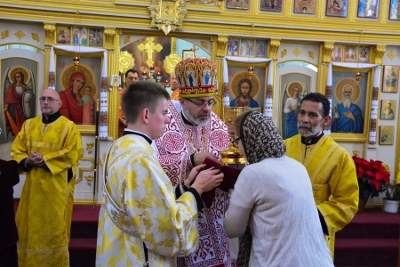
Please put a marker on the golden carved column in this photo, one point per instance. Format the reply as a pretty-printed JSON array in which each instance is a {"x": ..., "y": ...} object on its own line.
[
  {"x": 218, "y": 52},
  {"x": 111, "y": 44},
  {"x": 327, "y": 49},
  {"x": 378, "y": 52},
  {"x": 273, "y": 48},
  {"x": 50, "y": 30}
]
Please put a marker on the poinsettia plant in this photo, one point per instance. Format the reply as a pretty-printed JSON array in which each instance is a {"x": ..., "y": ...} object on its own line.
[{"x": 373, "y": 177}]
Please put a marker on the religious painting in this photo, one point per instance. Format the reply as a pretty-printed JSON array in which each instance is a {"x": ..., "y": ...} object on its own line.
[
  {"x": 363, "y": 54},
  {"x": 348, "y": 102},
  {"x": 294, "y": 86},
  {"x": 79, "y": 36},
  {"x": 336, "y": 8},
  {"x": 350, "y": 53},
  {"x": 187, "y": 54},
  {"x": 19, "y": 87},
  {"x": 237, "y": 4},
  {"x": 261, "y": 48},
  {"x": 271, "y": 5},
  {"x": 96, "y": 37},
  {"x": 233, "y": 47},
  {"x": 394, "y": 10},
  {"x": 304, "y": 6},
  {"x": 337, "y": 53},
  {"x": 79, "y": 88},
  {"x": 386, "y": 135},
  {"x": 63, "y": 36},
  {"x": 390, "y": 79},
  {"x": 246, "y": 91},
  {"x": 246, "y": 48},
  {"x": 368, "y": 9},
  {"x": 388, "y": 109}
]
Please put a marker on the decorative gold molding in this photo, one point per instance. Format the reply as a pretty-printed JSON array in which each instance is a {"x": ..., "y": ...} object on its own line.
[
  {"x": 109, "y": 34},
  {"x": 283, "y": 53},
  {"x": 311, "y": 54},
  {"x": 391, "y": 55},
  {"x": 89, "y": 179},
  {"x": 126, "y": 61},
  {"x": 167, "y": 15},
  {"x": 89, "y": 147},
  {"x": 35, "y": 36},
  {"x": 379, "y": 51},
  {"x": 172, "y": 59},
  {"x": 19, "y": 34},
  {"x": 49, "y": 29},
  {"x": 273, "y": 47},
  {"x": 327, "y": 52},
  {"x": 84, "y": 169},
  {"x": 221, "y": 45},
  {"x": 5, "y": 34},
  {"x": 296, "y": 52}
]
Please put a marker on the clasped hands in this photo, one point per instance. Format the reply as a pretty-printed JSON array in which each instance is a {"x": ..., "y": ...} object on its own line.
[{"x": 35, "y": 159}]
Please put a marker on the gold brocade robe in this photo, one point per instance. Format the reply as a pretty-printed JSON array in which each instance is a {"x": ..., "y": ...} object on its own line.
[
  {"x": 140, "y": 206},
  {"x": 44, "y": 212},
  {"x": 334, "y": 180}
]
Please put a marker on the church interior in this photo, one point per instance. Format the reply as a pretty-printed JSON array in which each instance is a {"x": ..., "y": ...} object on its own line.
[{"x": 320, "y": 46}]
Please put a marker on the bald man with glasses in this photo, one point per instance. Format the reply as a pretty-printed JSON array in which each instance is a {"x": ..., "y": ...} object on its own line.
[
  {"x": 48, "y": 149},
  {"x": 194, "y": 134}
]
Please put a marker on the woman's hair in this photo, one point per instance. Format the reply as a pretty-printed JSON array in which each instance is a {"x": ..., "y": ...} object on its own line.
[{"x": 259, "y": 136}]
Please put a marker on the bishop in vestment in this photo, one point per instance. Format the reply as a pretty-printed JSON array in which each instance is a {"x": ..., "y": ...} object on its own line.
[{"x": 191, "y": 136}]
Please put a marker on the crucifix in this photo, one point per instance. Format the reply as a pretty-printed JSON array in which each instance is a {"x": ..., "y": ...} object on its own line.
[
  {"x": 150, "y": 47},
  {"x": 194, "y": 49}
]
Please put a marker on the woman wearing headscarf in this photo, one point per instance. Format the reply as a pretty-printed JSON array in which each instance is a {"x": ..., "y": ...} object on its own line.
[
  {"x": 273, "y": 198},
  {"x": 71, "y": 97}
]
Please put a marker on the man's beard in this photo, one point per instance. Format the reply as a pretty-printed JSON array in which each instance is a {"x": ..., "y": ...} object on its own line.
[
  {"x": 312, "y": 131},
  {"x": 245, "y": 96},
  {"x": 346, "y": 101},
  {"x": 197, "y": 121}
]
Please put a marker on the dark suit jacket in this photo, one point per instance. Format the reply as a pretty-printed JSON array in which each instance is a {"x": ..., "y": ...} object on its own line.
[{"x": 9, "y": 177}]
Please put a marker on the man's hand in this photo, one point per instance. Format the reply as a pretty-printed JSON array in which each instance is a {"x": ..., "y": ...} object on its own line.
[
  {"x": 207, "y": 180},
  {"x": 193, "y": 174},
  {"x": 199, "y": 158},
  {"x": 349, "y": 115},
  {"x": 35, "y": 159}
]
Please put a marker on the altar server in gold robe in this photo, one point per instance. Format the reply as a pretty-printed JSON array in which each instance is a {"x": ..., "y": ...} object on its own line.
[
  {"x": 330, "y": 167},
  {"x": 48, "y": 148},
  {"x": 141, "y": 222}
]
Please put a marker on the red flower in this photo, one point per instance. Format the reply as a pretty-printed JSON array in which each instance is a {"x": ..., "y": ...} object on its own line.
[{"x": 372, "y": 176}]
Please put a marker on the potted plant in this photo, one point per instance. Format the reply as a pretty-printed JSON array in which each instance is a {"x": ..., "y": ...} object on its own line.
[
  {"x": 392, "y": 200},
  {"x": 372, "y": 179}
]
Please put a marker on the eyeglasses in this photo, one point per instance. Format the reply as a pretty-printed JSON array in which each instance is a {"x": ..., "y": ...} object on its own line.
[
  {"x": 235, "y": 142},
  {"x": 49, "y": 99},
  {"x": 203, "y": 103}
]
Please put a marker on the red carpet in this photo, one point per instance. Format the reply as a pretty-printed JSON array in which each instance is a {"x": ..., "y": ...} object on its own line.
[{"x": 371, "y": 239}]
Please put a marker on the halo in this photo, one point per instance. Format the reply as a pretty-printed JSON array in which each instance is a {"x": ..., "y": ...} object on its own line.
[
  {"x": 11, "y": 74},
  {"x": 68, "y": 71},
  {"x": 292, "y": 85},
  {"x": 92, "y": 85},
  {"x": 244, "y": 75},
  {"x": 353, "y": 83}
]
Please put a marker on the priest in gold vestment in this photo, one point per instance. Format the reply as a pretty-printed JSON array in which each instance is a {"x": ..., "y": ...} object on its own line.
[
  {"x": 48, "y": 148},
  {"x": 330, "y": 167}
]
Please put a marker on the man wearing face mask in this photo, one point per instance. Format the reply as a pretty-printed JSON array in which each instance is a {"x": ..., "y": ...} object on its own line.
[
  {"x": 191, "y": 136},
  {"x": 330, "y": 167}
]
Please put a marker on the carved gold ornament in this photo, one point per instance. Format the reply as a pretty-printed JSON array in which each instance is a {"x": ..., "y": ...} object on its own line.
[
  {"x": 391, "y": 55},
  {"x": 5, "y": 34},
  {"x": 126, "y": 61},
  {"x": 35, "y": 36},
  {"x": 296, "y": 52},
  {"x": 19, "y": 35},
  {"x": 89, "y": 147},
  {"x": 167, "y": 15}
]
